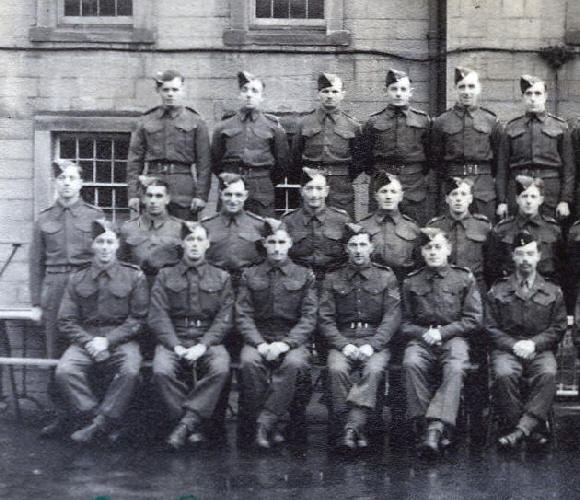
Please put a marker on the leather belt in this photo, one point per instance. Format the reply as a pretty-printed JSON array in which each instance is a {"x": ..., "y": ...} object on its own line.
[
  {"x": 353, "y": 325},
  {"x": 541, "y": 171},
  {"x": 247, "y": 171},
  {"x": 329, "y": 169},
  {"x": 191, "y": 323},
  {"x": 469, "y": 169},
  {"x": 169, "y": 168},
  {"x": 65, "y": 268},
  {"x": 400, "y": 168}
]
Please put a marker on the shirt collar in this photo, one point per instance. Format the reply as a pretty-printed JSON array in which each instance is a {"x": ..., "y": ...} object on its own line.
[
  {"x": 154, "y": 223},
  {"x": 364, "y": 271},
  {"x": 322, "y": 113},
  {"x": 308, "y": 215},
  {"x": 171, "y": 111},
  {"x": 73, "y": 209},
  {"x": 283, "y": 266},
  {"x": 232, "y": 218},
  {"x": 463, "y": 221},
  {"x": 393, "y": 110},
  {"x": 539, "y": 116},
  {"x": 522, "y": 219},
  {"x": 434, "y": 272},
  {"x": 461, "y": 110},
  {"x": 110, "y": 271},
  {"x": 383, "y": 215},
  {"x": 183, "y": 267},
  {"x": 251, "y": 114}
]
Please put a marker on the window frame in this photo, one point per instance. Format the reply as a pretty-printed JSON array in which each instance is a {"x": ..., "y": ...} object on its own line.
[
  {"x": 283, "y": 22},
  {"x": 573, "y": 22}
]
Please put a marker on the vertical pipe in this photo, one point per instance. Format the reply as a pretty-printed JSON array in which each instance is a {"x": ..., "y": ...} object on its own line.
[{"x": 437, "y": 48}]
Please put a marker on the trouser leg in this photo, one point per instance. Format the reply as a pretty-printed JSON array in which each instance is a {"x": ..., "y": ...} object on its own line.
[
  {"x": 541, "y": 375},
  {"x": 507, "y": 370},
  {"x": 168, "y": 381},
  {"x": 339, "y": 385},
  {"x": 418, "y": 366}
]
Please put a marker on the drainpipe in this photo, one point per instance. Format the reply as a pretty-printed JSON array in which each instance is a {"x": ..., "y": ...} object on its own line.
[{"x": 437, "y": 47}]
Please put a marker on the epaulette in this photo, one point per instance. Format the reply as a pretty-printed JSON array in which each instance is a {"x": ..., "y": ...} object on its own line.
[
  {"x": 556, "y": 118},
  {"x": 368, "y": 216},
  {"x": 575, "y": 223},
  {"x": 209, "y": 217},
  {"x": 286, "y": 214},
  {"x": 418, "y": 111},
  {"x": 435, "y": 219},
  {"x": 192, "y": 110},
  {"x": 339, "y": 210},
  {"x": 549, "y": 219},
  {"x": 46, "y": 209},
  {"x": 480, "y": 217},
  {"x": 414, "y": 273},
  {"x": 515, "y": 119},
  {"x": 511, "y": 218},
  {"x": 94, "y": 207},
  {"x": 406, "y": 217},
  {"x": 255, "y": 216},
  {"x": 461, "y": 268},
  {"x": 381, "y": 266},
  {"x": 488, "y": 111},
  {"x": 378, "y": 112},
  {"x": 273, "y": 118},
  {"x": 354, "y": 119},
  {"x": 128, "y": 264},
  {"x": 149, "y": 111},
  {"x": 228, "y": 114}
]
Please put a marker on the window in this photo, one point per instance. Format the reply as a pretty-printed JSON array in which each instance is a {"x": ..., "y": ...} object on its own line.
[
  {"x": 573, "y": 23},
  {"x": 287, "y": 22},
  {"x": 96, "y": 12},
  {"x": 103, "y": 159},
  {"x": 287, "y": 197}
]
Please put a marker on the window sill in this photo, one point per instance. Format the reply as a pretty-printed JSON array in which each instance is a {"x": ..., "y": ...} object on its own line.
[
  {"x": 91, "y": 34},
  {"x": 293, "y": 36}
]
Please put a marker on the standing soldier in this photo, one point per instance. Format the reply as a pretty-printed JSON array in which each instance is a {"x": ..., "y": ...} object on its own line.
[
  {"x": 172, "y": 143},
  {"x": 101, "y": 315},
  {"x": 61, "y": 243},
  {"x": 276, "y": 315},
  {"x": 191, "y": 313},
  {"x": 529, "y": 199},
  {"x": 395, "y": 141},
  {"x": 253, "y": 144},
  {"x": 359, "y": 315},
  {"x": 465, "y": 142},
  {"x": 526, "y": 319},
  {"x": 394, "y": 235},
  {"x": 327, "y": 139},
  {"x": 441, "y": 308},
  {"x": 536, "y": 144}
]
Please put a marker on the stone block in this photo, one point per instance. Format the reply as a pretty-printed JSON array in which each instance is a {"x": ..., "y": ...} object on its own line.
[{"x": 16, "y": 149}]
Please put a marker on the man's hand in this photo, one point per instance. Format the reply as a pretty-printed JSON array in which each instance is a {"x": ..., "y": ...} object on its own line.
[
  {"x": 502, "y": 210},
  {"x": 134, "y": 204},
  {"x": 197, "y": 204},
  {"x": 263, "y": 349},
  {"x": 525, "y": 349},
  {"x": 432, "y": 336},
  {"x": 350, "y": 351},
  {"x": 36, "y": 314},
  {"x": 194, "y": 353},
  {"x": 365, "y": 351},
  {"x": 100, "y": 343},
  {"x": 179, "y": 351},
  {"x": 276, "y": 349},
  {"x": 563, "y": 210}
]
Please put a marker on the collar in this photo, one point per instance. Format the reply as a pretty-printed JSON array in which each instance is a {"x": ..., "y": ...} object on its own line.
[
  {"x": 539, "y": 116},
  {"x": 251, "y": 114},
  {"x": 231, "y": 218},
  {"x": 514, "y": 282},
  {"x": 110, "y": 270},
  {"x": 156, "y": 223},
  {"x": 383, "y": 215},
  {"x": 364, "y": 271},
  {"x": 393, "y": 110},
  {"x": 73, "y": 209},
  {"x": 322, "y": 113},
  {"x": 182, "y": 267},
  {"x": 308, "y": 214},
  {"x": 438, "y": 272},
  {"x": 284, "y": 267},
  {"x": 171, "y": 112},
  {"x": 462, "y": 221},
  {"x": 461, "y": 110},
  {"x": 522, "y": 220}
]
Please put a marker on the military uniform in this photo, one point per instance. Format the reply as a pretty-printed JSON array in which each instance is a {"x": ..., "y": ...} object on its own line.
[
  {"x": 537, "y": 314},
  {"x": 191, "y": 305},
  {"x": 275, "y": 304},
  {"x": 395, "y": 237},
  {"x": 572, "y": 275},
  {"x": 359, "y": 305},
  {"x": 538, "y": 145},
  {"x": 396, "y": 140},
  {"x": 328, "y": 140},
  {"x": 545, "y": 230},
  {"x": 446, "y": 298},
  {"x": 111, "y": 303},
  {"x": 172, "y": 144},
  {"x": 252, "y": 144},
  {"x": 465, "y": 142},
  {"x": 575, "y": 139},
  {"x": 61, "y": 242}
]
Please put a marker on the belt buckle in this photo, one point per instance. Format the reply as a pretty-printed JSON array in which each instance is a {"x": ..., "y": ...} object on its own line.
[{"x": 470, "y": 169}]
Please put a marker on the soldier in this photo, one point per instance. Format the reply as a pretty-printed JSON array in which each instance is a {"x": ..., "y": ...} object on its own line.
[
  {"x": 102, "y": 312},
  {"x": 441, "y": 309},
  {"x": 61, "y": 242},
  {"x": 327, "y": 139},
  {"x": 396, "y": 141},
  {"x": 465, "y": 142},
  {"x": 359, "y": 315},
  {"x": 394, "y": 235},
  {"x": 526, "y": 319},
  {"x": 536, "y": 144},
  {"x": 276, "y": 315},
  {"x": 253, "y": 144},
  {"x": 191, "y": 312},
  {"x": 171, "y": 142},
  {"x": 529, "y": 199}
]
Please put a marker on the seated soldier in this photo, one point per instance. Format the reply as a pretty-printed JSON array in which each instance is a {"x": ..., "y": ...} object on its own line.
[
  {"x": 526, "y": 319},
  {"x": 191, "y": 312},
  {"x": 441, "y": 306},
  {"x": 359, "y": 315},
  {"x": 101, "y": 314},
  {"x": 276, "y": 315},
  {"x": 394, "y": 235}
]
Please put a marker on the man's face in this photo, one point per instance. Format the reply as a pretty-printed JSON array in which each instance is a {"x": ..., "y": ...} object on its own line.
[
  {"x": 233, "y": 197},
  {"x": 69, "y": 183},
  {"x": 359, "y": 249},
  {"x": 534, "y": 98},
  {"x": 459, "y": 199},
  {"x": 331, "y": 97},
  {"x": 277, "y": 246},
  {"x": 252, "y": 94},
  {"x": 436, "y": 252},
  {"x": 526, "y": 258},
  {"x": 156, "y": 199},
  {"x": 530, "y": 200},
  {"x": 389, "y": 196},
  {"x": 105, "y": 247},
  {"x": 172, "y": 92},
  {"x": 195, "y": 245},
  {"x": 468, "y": 90},
  {"x": 399, "y": 93},
  {"x": 314, "y": 193}
]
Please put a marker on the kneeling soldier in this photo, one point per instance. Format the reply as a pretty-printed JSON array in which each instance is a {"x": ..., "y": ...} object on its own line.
[
  {"x": 191, "y": 312},
  {"x": 102, "y": 312},
  {"x": 359, "y": 315},
  {"x": 526, "y": 319},
  {"x": 441, "y": 306},
  {"x": 276, "y": 315}
]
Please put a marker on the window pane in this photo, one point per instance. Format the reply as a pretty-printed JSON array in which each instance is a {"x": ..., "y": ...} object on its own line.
[
  {"x": 88, "y": 194},
  {"x": 72, "y": 8},
  {"x": 298, "y": 9},
  {"x": 103, "y": 172},
  {"x": 68, "y": 148},
  {"x": 104, "y": 149},
  {"x": 124, "y": 7},
  {"x": 281, "y": 9},
  {"x": 107, "y": 8},
  {"x": 88, "y": 171},
  {"x": 86, "y": 148},
  {"x": 121, "y": 199},
  {"x": 263, "y": 8},
  {"x": 105, "y": 197},
  {"x": 120, "y": 173},
  {"x": 89, "y": 8},
  {"x": 121, "y": 149},
  {"x": 316, "y": 9}
]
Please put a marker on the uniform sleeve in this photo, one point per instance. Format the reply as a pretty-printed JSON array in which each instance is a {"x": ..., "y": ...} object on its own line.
[
  {"x": 327, "y": 319},
  {"x": 498, "y": 257},
  {"x": 136, "y": 160},
  {"x": 296, "y": 151},
  {"x": 366, "y": 146},
  {"x": 158, "y": 319},
  {"x": 281, "y": 151},
  {"x": 391, "y": 316},
  {"x": 302, "y": 331},
  {"x": 495, "y": 141},
  {"x": 36, "y": 265},
  {"x": 203, "y": 161},
  {"x": 492, "y": 325},
  {"x": 244, "y": 314},
  {"x": 471, "y": 313},
  {"x": 138, "y": 309},
  {"x": 223, "y": 320},
  {"x": 69, "y": 318},
  {"x": 409, "y": 329},
  {"x": 549, "y": 339},
  {"x": 358, "y": 153},
  {"x": 568, "y": 167},
  {"x": 503, "y": 158}
]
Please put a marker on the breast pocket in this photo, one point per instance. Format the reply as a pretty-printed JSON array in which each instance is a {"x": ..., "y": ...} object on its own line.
[
  {"x": 53, "y": 235},
  {"x": 154, "y": 135},
  {"x": 549, "y": 144},
  {"x": 259, "y": 289},
  {"x": 373, "y": 298},
  {"x": 518, "y": 140},
  {"x": 210, "y": 292},
  {"x": 384, "y": 134},
  {"x": 343, "y": 297},
  {"x": 451, "y": 299},
  {"x": 341, "y": 142},
  {"x": 83, "y": 234},
  {"x": 293, "y": 291},
  {"x": 332, "y": 242},
  {"x": 88, "y": 294},
  {"x": 185, "y": 137},
  {"x": 177, "y": 296},
  {"x": 119, "y": 306}
]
